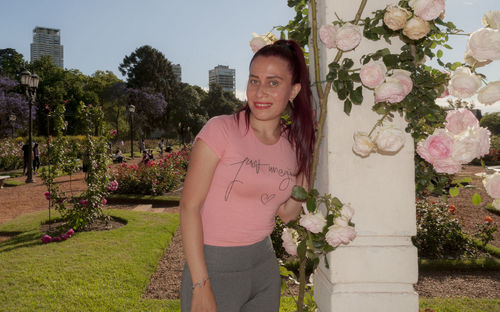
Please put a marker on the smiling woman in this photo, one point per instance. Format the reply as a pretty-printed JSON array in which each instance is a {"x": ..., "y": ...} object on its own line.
[{"x": 241, "y": 174}]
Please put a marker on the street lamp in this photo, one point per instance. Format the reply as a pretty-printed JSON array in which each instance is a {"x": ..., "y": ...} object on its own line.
[
  {"x": 12, "y": 119},
  {"x": 131, "y": 109},
  {"x": 30, "y": 82}
]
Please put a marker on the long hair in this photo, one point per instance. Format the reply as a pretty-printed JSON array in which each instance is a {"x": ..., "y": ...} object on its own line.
[{"x": 301, "y": 129}]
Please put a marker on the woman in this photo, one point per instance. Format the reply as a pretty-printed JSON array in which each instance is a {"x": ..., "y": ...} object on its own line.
[{"x": 241, "y": 173}]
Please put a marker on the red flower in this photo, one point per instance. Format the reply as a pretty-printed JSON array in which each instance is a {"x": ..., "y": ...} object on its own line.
[
  {"x": 488, "y": 219},
  {"x": 452, "y": 209}
]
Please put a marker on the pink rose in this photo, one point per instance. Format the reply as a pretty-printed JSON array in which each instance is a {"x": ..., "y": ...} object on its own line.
[
  {"x": 289, "y": 237},
  {"x": 448, "y": 165},
  {"x": 83, "y": 202},
  {"x": 373, "y": 74},
  {"x": 404, "y": 78},
  {"x": 348, "y": 37},
  {"x": 327, "y": 35},
  {"x": 427, "y": 10},
  {"x": 104, "y": 201},
  {"x": 47, "y": 195},
  {"x": 459, "y": 120},
  {"x": 46, "y": 239},
  {"x": 437, "y": 146},
  {"x": 492, "y": 185},
  {"x": 314, "y": 223},
  {"x": 70, "y": 232},
  {"x": 484, "y": 141},
  {"x": 257, "y": 43},
  {"x": 391, "y": 91},
  {"x": 338, "y": 234},
  {"x": 113, "y": 132},
  {"x": 56, "y": 239},
  {"x": 64, "y": 236},
  {"x": 471, "y": 61},
  {"x": 490, "y": 94},
  {"x": 466, "y": 146},
  {"x": 484, "y": 44}
]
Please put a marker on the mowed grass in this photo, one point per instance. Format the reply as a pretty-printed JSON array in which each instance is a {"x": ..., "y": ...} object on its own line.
[
  {"x": 109, "y": 270},
  {"x": 92, "y": 271}
]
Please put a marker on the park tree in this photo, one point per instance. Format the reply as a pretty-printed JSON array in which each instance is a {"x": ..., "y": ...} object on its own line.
[
  {"x": 150, "y": 106},
  {"x": 147, "y": 68},
  {"x": 187, "y": 112},
  {"x": 11, "y": 103},
  {"x": 12, "y": 63},
  {"x": 115, "y": 100},
  {"x": 492, "y": 122},
  {"x": 219, "y": 102}
]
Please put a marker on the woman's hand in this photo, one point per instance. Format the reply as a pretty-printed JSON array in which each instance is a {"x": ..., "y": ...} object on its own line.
[{"x": 203, "y": 299}]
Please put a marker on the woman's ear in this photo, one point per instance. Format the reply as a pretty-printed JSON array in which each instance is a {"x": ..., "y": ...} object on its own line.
[{"x": 295, "y": 90}]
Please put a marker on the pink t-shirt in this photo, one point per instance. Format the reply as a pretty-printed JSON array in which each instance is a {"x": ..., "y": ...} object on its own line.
[{"x": 249, "y": 184}]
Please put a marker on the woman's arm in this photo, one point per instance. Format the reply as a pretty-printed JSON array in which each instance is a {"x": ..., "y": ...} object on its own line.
[
  {"x": 291, "y": 209},
  {"x": 202, "y": 164}
]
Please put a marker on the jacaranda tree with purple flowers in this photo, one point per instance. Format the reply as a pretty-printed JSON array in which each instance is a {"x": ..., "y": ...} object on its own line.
[{"x": 11, "y": 103}]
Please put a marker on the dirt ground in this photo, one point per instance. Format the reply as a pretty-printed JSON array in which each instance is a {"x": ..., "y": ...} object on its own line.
[{"x": 165, "y": 282}]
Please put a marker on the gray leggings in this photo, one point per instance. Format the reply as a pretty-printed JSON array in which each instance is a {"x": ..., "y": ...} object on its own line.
[{"x": 243, "y": 278}]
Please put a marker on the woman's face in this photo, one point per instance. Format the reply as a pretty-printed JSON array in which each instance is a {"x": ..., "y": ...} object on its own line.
[{"x": 270, "y": 88}]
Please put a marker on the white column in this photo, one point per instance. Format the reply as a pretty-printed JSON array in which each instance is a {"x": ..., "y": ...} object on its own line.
[{"x": 376, "y": 272}]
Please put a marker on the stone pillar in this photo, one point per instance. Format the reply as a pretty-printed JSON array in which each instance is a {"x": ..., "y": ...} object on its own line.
[{"x": 376, "y": 272}]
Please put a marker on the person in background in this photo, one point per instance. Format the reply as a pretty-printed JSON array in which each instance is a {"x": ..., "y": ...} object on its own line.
[
  {"x": 161, "y": 146},
  {"x": 241, "y": 173},
  {"x": 26, "y": 150},
  {"x": 118, "y": 156},
  {"x": 36, "y": 158}
]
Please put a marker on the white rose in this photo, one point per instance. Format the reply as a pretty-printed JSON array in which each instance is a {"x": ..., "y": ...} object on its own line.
[
  {"x": 427, "y": 10},
  {"x": 466, "y": 146},
  {"x": 416, "y": 28},
  {"x": 492, "y": 184},
  {"x": 363, "y": 145},
  {"x": 346, "y": 214},
  {"x": 290, "y": 243},
  {"x": 314, "y": 223},
  {"x": 257, "y": 43},
  {"x": 489, "y": 94},
  {"x": 471, "y": 61},
  {"x": 491, "y": 19},
  {"x": 484, "y": 141},
  {"x": 395, "y": 17},
  {"x": 338, "y": 234},
  {"x": 391, "y": 91},
  {"x": 484, "y": 44},
  {"x": 389, "y": 140},
  {"x": 348, "y": 37},
  {"x": 463, "y": 83},
  {"x": 373, "y": 73},
  {"x": 328, "y": 34}
]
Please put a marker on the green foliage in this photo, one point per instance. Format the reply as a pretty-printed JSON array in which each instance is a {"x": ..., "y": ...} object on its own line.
[
  {"x": 298, "y": 28},
  {"x": 439, "y": 235},
  {"x": 492, "y": 122},
  {"x": 153, "y": 177},
  {"x": 484, "y": 232},
  {"x": 12, "y": 63}
]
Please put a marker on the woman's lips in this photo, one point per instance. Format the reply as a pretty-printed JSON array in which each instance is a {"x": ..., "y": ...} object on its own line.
[{"x": 262, "y": 105}]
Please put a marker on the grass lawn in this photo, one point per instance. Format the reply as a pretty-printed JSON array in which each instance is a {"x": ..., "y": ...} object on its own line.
[{"x": 109, "y": 270}]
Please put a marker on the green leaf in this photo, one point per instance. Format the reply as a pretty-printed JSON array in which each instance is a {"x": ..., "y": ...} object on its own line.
[
  {"x": 455, "y": 65},
  {"x": 311, "y": 204},
  {"x": 347, "y": 106},
  {"x": 440, "y": 53},
  {"x": 313, "y": 193},
  {"x": 476, "y": 199},
  {"x": 463, "y": 180},
  {"x": 299, "y": 193},
  {"x": 347, "y": 63},
  {"x": 391, "y": 60},
  {"x": 355, "y": 77},
  {"x": 357, "y": 96},
  {"x": 336, "y": 202},
  {"x": 454, "y": 191},
  {"x": 343, "y": 75}
]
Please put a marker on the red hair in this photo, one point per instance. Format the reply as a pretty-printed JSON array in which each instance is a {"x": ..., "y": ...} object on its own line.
[{"x": 301, "y": 129}]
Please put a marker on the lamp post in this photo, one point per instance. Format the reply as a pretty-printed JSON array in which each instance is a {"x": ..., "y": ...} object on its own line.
[
  {"x": 30, "y": 82},
  {"x": 12, "y": 118},
  {"x": 131, "y": 109}
]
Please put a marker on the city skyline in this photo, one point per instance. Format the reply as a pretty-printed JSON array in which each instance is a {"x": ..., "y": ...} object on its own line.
[{"x": 198, "y": 35}]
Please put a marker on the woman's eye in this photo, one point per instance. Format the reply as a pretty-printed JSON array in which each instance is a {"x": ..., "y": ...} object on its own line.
[
  {"x": 273, "y": 83},
  {"x": 254, "y": 81}
]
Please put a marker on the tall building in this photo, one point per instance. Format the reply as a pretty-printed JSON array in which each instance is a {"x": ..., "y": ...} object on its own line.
[
  {"x": 47, "y": 41},
  {"x": 177, "y": 71},
  {"x": 223, "y": 76}
]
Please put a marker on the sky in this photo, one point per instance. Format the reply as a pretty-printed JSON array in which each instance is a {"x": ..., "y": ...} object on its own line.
[{"x": 197, "y": 34}]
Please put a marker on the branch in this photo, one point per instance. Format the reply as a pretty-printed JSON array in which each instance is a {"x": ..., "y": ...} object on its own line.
[
  {"x": 317, "y": 74},
  {"x": 324, "y": 95}
]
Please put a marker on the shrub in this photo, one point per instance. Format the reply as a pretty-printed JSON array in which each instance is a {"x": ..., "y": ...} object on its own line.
[
  {"x": 439, "y": 235},
  {"x": 155, "y": 177}
]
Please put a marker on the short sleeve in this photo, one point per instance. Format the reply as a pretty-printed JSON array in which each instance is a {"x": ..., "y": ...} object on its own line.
[{"x": 215, "y": 134}]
